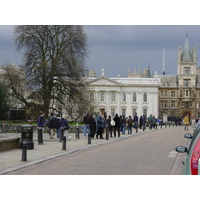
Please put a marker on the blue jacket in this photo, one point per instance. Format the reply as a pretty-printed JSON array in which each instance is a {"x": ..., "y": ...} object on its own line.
[
  {"x": 41, "y": 121},
  {"x": 64, "y": 124},
  {"x": 100, "y": 122}
]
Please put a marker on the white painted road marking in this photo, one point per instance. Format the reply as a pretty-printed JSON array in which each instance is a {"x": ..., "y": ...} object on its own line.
[{"x": 172, "y": 154}]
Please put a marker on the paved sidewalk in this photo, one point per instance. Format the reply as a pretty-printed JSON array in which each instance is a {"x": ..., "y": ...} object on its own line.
[{"x": 12, "y": 159}]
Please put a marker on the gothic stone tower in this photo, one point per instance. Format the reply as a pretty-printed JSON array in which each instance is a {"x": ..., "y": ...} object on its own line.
[
  {"x": 180, "y": 94},
  {"x": 187, "y": 80}
]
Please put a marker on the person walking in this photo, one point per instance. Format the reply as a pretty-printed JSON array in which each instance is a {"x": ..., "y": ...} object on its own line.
[
  {"x": 130, "y": 124},
  {"x": 123, "y": 124},
  {"x": 153, "y": 121},
  {"x": 100, "y": 126},
  {"x": 141, "y": 121},
  {"x": 135, "y": 121},
  {"x": 52, "y": 125},
  {"x": 144, "y": 122},
  {"x": 64, "y": 125},
  {"x": 40, "y": 127},
  {"x": 117, "y": 125},
  {"x": 86, "y": 127},
  {"x": 93, "y": 126},
  {"x": 186, "y": 122},
  {"x": 58, "y": 126},
  {"x": 149, "y": 121},
  {"x": 110, "y": 126}
]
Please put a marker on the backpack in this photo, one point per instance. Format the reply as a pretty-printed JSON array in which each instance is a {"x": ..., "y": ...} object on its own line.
[{"x": 112, "y": 122}]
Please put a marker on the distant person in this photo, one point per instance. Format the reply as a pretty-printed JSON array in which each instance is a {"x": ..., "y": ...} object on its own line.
[
  {"x": 64, "y": 125},
  {"x": 93, "y": 126},
  {"x": 52, "y": 125},
  {"x": 41, "y": 120},
  {"x": 117, "y": 125},
  {"x": 58, "y": 126},
  {"x": 86, "y": 127},
  {"x": 123, "y": 124},
  {"x": 141, "y": 121},
  {"x": 186, "y": 122},
  {"x": 149, "y": 121},
  {"x": 130, "y": 124},
  {"x": 41, "y": 124},
  {"x": 135, "y": 121},
  {"x": 153, "y": 121},
  {"x": 100, "y": 126},
  {"x": 110, "y": 125}
]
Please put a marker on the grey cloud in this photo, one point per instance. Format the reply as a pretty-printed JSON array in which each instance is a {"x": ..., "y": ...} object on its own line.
[{"x": 122, "y": 47}]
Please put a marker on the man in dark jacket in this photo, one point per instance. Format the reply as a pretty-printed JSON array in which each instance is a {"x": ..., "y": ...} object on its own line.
[
  {"x": 100, "y": 126},
  {"x": 40, "y": 128},
  {"x": 86, "y": 126},
  {"x": 52, "y": 125},
  {"x": 135, "y": 121},
  {"x": 117, "y": 125},
  {"x": 41, "y": 120},
  {"x": 93, "y": 126}
]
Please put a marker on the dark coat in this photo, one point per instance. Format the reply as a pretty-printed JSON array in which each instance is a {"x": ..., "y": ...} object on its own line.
[
  {"x": 53, "y": 122},
  {"x": 41, "y": 121},
  {"x": 117, "y": 121},
  {"x": 64, "y": 124},
  {"x": 92, "y": 124}
]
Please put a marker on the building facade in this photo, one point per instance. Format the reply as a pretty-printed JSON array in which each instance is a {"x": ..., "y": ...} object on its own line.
[
  {"x": 180, "y": 94},
  {"x": 124, "y": 96}
]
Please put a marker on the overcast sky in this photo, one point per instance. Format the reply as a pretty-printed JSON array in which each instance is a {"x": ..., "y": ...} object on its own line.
[{"x": 117, "y": 48}]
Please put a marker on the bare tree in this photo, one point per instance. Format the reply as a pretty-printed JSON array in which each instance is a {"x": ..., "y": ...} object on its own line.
[
  {"x": 15, "y": 84},
  {"x": 54, "y": 61}
]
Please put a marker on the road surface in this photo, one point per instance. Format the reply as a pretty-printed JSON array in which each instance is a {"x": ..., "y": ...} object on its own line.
[{"x": 147, "y": 153}]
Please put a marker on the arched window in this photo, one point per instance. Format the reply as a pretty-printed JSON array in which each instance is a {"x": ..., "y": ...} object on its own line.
[
  {"x": 102, "y": 96},
  {"x": 91, "y": 96},
  {"x": 112, "y": 96},
  {"x": 145, "y": 97},
  {"x": 134, "y": 97},
  {"x": 124, "y": 97}
]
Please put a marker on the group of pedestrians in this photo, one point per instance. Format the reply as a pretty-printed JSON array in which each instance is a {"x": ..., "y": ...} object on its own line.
[
  {"x": 117, "y": 125},
  {"x": 54, "y": 124},
  {"x": 94, "y": 125}
]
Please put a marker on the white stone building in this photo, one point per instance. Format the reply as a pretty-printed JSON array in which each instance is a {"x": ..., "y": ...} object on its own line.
[{"x": 124, "y": 96}]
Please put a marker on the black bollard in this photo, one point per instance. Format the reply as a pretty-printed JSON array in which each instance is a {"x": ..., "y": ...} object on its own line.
[
  {"x": 161, "y": 125},
  {"x": 64, "y": 143},
  {"x": 77, "y": 133},
  {"x": 40, "y": 136},
  {"x": 165, "y": 124},
  {"x": 107, "y": 132},
  {"x": 136, "y": 129},
  {"x": 89, "y": 138},
  {"x": 24, "y": 152}
]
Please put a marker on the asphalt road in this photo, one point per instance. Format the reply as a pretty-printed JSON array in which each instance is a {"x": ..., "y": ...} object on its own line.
[{"x": 148, "y": 153}]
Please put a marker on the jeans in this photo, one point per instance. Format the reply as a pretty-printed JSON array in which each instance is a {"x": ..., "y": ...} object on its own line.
[
  {"x": 123, "y": 129},
  {"x": 135, "y": 124},
  {"x": 58, "y": 133},
  {"x": 129, "y": 129},
  {"x": 186, "y": 127},
  {"x": 86, "y": 129}
]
